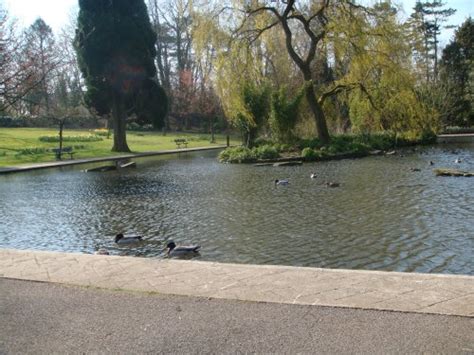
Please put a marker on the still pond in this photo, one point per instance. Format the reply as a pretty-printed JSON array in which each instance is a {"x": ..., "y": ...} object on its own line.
[{"x": 383, "y": 216}]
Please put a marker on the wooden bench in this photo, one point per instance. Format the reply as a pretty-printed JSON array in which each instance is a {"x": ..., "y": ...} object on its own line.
[
  {"x": 181, "y": 142},
  {"x": 65, "y": 150}
]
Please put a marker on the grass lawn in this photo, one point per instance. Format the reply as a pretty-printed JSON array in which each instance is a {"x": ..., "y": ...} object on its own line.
[{"x": 22, "y": 145}]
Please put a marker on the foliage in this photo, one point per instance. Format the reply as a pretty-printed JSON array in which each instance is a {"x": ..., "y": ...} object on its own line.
[
  {"x": 115, "y": 46},
  {"x": 309, "y": 143},
  {"x": 20, "y": 72},
  {"x": 39, "y": 48},
  {"x": 382, "y": 93},
  {"x": 237, "y": 155},
  {"x": 248, "y": 155},
  {"x": 426, "y": 23},
  {"x": 346, "y": 144},
  {"x": 242, "y": 89},
  {"x": 263, "y": 140},
  {"x": 31, "y": 151},
  {"x": 457, "y": 78},
  {"x": 266, "y": 152},
  {"x": 81, "y": 138},
  {"x": 284, "y": 113},
  {"x": 310, "y": 154},
  {"x": 313, "y": 22},
  {"x": 103, "y": 132},
  {"x": 134, "y": 126},
  {"x": 7, "y": 121}
]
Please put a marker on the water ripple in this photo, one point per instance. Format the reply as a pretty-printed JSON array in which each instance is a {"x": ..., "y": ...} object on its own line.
[{"x": 383, "y": 216}]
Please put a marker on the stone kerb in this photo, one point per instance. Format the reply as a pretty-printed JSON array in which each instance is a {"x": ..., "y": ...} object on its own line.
[{"x": 395, "y": 291}]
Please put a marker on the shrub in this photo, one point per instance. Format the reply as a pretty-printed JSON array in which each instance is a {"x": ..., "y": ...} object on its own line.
[
  {"x": 134, "y": 126},
  {"x": 266, "y": 152},
  {"x": 54, "y": 139},
  {"x": 314, "y": 143},
  {"x": 381, "y": 141},
  {"x": 31, "y": 151},
  {"x": 263, "y": 141},
  {"x": 103, "y": 132},
  {"x": 237, "y": 155},
  {"x": 428, "y": 137},
  {"x": 284, "y": 114},
  {"x": 308, "y": 154},
  {"x": 6, "y": 121}
]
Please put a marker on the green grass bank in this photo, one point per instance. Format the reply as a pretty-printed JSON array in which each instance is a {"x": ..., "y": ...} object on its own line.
[{"x": 33, "y": 145}]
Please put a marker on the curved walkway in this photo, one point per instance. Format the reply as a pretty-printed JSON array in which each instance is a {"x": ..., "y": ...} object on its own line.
[
  {"x": 57, "y": 164},
  {"x": 395, "y": 291}
]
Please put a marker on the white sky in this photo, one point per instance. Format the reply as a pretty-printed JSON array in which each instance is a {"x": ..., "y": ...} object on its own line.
[{"x": 56, "y": 12}]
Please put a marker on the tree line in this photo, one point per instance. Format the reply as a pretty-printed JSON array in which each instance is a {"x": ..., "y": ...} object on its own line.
[{"x": 281, "y": 69}]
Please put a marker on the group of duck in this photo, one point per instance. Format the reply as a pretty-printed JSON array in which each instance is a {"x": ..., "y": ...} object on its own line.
[
  {"x": 172, "y": 248},
  {"x": 284, "y": 182}
]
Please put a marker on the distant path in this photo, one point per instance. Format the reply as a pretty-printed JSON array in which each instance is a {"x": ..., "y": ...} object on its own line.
[
  {"x": 44, "y": 318},
  {"x": 456, "y": 138},
  {"x": 56, "y": 164}
]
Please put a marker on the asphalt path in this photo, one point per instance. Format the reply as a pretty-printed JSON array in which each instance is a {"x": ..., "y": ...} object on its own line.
[{"x": 44, "y": 318}]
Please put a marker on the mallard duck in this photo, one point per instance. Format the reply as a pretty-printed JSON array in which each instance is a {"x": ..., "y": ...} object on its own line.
[
  {"x": 313, "y": 176},
  {"x": 332, "y": 184},
  {"x": 120, "y": 239},
  {"x": 415, "y": 169},
  {"x": 458, "y": 161},
  {"x": 281, "y": 182},
  {"x": 431, "y": 162},
  {"x": 174, "y": 250}
]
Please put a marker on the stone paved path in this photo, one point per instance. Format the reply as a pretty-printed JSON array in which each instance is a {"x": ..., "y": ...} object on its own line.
[{"x": 407, "y": 292}]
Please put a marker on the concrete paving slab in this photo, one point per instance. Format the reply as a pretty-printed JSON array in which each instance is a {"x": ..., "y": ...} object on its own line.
[{"x": 406, "y": 292}]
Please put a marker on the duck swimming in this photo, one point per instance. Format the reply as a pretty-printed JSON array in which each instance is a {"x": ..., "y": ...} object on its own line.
[
  {"x": 313, "y": 176},
  {"x": 174, "y": 250},
  {"x": 458, "y": 161},
  {"x": 332, "y": 184},
  {"x": 281, "y": 182},
  {"x": 120, "y": 239}
]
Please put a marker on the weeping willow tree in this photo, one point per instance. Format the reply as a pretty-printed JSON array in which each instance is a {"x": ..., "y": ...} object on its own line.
[
  {"x": 284, "y": 114},
  {"x": 239, "y": 75},
  {"x": 376, "y": 73},
  {"x": 358, "y": 66}
]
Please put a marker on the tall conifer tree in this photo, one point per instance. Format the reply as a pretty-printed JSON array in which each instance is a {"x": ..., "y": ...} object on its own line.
[{"x": 116, "y": 49}]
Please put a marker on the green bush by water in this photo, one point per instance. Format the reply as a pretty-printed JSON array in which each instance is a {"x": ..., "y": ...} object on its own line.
[
  {"x": 266, "y": 152},
  {"x": 312, "y": 149},
  {"x": 237, "y": 155}
]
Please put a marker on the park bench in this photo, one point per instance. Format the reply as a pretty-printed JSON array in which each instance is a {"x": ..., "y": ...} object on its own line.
[
  {"x": 60, "y": 151},
  {"x": 181, "y": 142}
]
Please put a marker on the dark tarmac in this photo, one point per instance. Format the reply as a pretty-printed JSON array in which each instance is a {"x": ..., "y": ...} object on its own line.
[{"x": 46, "y": 318}]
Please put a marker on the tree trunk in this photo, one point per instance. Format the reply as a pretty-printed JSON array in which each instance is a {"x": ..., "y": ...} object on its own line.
[
  {"x": 318, "y": 113},
  {"x": 119, "y": 118},
  {"x": 213, "y": 138}
]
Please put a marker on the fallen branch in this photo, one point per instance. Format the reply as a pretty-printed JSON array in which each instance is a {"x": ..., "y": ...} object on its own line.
[{"x": 452, "y": 172}]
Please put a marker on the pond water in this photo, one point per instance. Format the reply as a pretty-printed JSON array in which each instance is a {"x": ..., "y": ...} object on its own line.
[{"x": 384, "y": 216}]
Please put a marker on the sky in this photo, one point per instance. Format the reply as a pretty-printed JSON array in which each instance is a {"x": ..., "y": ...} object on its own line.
[{"x": 56, "y": 13}]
